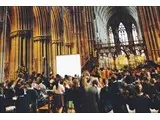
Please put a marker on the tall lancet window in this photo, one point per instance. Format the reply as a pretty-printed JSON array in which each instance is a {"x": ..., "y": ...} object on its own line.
[
  {"x": 123, "y": 37},
  {"x": 134, "y": 33},
  {"x": 111, "y": 37}
]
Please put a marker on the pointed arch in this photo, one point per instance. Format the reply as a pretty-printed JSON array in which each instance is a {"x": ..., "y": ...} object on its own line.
[
  {"x": 41, "y": 21},
  {"x": 55, "y": 23}
]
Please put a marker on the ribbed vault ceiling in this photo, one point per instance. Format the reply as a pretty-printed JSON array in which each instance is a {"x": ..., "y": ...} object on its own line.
[{"x": 105, "y": 12}]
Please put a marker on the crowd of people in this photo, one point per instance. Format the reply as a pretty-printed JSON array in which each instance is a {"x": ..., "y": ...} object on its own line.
[{"x": 101, "y": 91}]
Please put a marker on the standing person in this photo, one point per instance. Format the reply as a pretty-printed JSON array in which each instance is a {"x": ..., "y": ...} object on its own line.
[
  {"x": 108, "y": 73},
  {"x": 105, "y": 103},
  {"x": 129, "y": 78},
  {"x": 77, "y": 95},
  {"x": 67, "y": 96},
  {"x": 2, "y": 99},
  {"x": 59, "y": 91},
  {"x": 118, "y": 97},
  {"x": 157, "y": 95},
  {"x": 93, "y": 98},
  {"x": 142, "y": 102},
  {"x": 83, "y": 95},
  {"x": 97, "y": 72},
  {"x": 41, "y": 88}
]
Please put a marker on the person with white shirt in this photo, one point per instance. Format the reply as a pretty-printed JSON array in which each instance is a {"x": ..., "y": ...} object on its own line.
[{"x": 59, "y": 91}]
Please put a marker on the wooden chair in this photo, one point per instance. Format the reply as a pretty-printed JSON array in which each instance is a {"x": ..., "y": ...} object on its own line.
[{"x": 47, "y": 107}]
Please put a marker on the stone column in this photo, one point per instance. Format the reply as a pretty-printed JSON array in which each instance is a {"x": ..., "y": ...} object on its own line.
[
  {"x": 130, "y": 38},
  {"x": 3, "y": 30},
  {"x": 41, "y": 58},
  {"x": 20, "y": 51},
  {"x": 14, "y": 56},
  {"x": 89, "y": 30},
  {"x": 54, "y": 53},
  {"x": 116, "y": 39},
  {"x": 56, "y": 48},
  {"x": 149, "y": 28}
]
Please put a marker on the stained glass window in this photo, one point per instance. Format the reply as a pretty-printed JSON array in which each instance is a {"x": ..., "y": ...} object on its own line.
[{"x": 123, "y": 37}]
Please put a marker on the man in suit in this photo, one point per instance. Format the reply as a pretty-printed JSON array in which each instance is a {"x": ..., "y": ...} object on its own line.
[
  {"x": 93, "y": 98},
  {"x": 142, "y": 102},
  {"x": 105, "y": 103},
  {"x": 118, "y": 98},
  {"x": 129, "y": 78}
]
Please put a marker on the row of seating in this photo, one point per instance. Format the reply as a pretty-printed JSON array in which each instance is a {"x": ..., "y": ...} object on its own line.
[{"x": 25, "y": 103}]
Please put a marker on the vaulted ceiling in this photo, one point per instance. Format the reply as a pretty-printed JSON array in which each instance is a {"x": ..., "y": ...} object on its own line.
[
  {"x": 113, "y": 15},
  {"x": 107, "y": 11}
]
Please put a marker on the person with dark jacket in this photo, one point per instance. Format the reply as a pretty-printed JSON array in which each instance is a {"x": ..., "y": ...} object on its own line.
[
  {"x": 32, "y": 97},
  {"x": 129, "y": 78},
  {"x": 82, "y": 93},
  {"x": 2, "y": 103},
  {"x": 77, "y": 96},
  {"x": 118, "y": 98},
  {"x": 105, "y": 102},
  {"x": 2, "y": 106},
  {"x": 67, "y": 96},
  {"x": 9, "y": 93},
  {"x": 142, "y": 102}
]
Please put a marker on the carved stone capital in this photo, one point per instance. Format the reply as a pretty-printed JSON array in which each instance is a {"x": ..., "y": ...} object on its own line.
[
  {"x": 41, "y": 38},
  {"x": 22, "y": 33}
]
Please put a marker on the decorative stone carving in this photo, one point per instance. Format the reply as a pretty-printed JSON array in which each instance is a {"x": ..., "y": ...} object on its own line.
[
  {"x": 20, "y": 33},
  {"x": 41, "y": 38}
]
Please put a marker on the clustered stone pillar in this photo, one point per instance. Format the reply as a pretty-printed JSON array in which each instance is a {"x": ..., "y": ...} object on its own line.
[
  {"x": 130, "y": 38},
  {"x": 41, "y": 51},
  {"x": 150, "y": 24},
  {"x": 90, "y": 28},
  {"x": 20, "y": 52},
  {"x": 116, "y": 39},
  {"x": 83, "y": 32},
  {"x": 3, "y": 30},
  {"x": 37, "y": 34}
]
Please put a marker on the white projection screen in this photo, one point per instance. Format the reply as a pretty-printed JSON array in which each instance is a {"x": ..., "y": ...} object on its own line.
[{"x": 68, "y": 65}]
